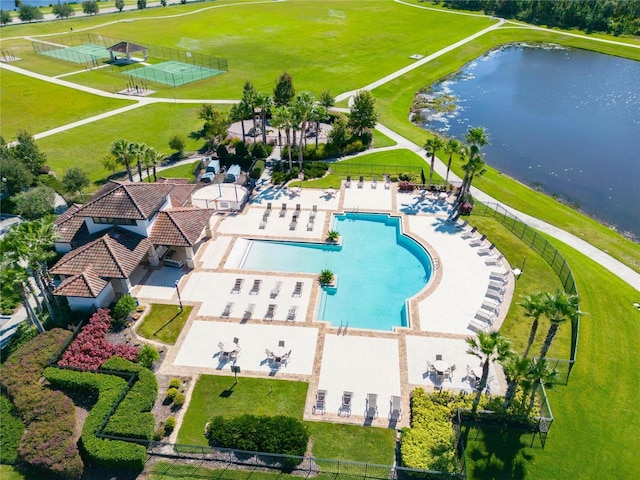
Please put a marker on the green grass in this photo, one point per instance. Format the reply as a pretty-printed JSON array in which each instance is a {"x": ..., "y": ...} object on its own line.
[
  {"x": 36, "y": 106},
  {"x": 381, "y": 140},
  {"x": 174, "y": 471},
  {"x": 7, "y": 472},
  {"x": 217, "y": 395},
  {"x": 186, "y": 170},
  {"x": 368, "y": 165},
  {"x": 87, "y": 145},
  {"x": 164, "y": 323}
]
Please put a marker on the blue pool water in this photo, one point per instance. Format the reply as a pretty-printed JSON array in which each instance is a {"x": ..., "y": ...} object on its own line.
[{"x": 378, "y": 268}]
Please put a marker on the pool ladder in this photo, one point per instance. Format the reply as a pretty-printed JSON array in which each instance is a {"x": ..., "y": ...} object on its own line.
[{"x": 344, "y": 327}]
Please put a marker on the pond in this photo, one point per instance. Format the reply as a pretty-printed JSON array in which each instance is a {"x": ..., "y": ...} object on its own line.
[{"x": 563, "y": 120}]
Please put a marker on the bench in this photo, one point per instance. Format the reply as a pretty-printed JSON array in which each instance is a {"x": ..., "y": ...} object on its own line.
[{"x": 173, "y": 263}]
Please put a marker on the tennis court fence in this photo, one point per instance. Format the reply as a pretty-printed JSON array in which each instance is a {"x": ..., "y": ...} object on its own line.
[{"x": 68, "y": 42}]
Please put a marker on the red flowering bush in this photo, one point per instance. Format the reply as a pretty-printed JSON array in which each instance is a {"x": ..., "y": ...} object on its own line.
[
  {"x": 406, "y": 186},
  {"x": 90, "y": 348}
]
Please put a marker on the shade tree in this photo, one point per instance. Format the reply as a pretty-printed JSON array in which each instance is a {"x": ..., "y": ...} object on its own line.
[
  {"x": 62, "y": 10},
  {"x": 75, "y": 180},
  {"x": 363, "y": 115},
  {"x": 284, "y": 92}
]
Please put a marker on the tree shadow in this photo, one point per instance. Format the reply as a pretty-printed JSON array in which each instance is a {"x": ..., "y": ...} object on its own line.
[{"x": 498, "y": 453}]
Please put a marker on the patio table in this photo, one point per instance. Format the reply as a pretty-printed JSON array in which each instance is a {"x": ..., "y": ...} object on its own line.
[
  {"x": 279, "y": 352},
  {"x": 440, "y": 366},
  {"x": 229, "y": 347}
]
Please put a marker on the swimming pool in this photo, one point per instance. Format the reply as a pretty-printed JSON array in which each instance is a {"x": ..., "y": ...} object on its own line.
[{"x": 377, "y": 267}]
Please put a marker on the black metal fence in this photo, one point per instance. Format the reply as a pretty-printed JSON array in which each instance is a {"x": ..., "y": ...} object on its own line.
[
  {"x": 215, "y": 458},
  {"x": 547, "y": 251}
]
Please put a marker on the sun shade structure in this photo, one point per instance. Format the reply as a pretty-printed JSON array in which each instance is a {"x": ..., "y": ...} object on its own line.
[{"x": 126, "y": 48}]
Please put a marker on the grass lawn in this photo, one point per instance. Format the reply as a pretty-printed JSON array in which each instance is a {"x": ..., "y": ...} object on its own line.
[
  {"x": 181, "y": 171},
  {"x": 381, "y": 140},
  {"x": 87, "y": 145},
  {"x": 174, "y": 471},
  {"x": 370, "y": 164},
  {"x": 217, "y": 395},
  {"x": 164, "y": 322},
  {"x": 7, "y": 472},
  {"x": 36, "y": 106}
]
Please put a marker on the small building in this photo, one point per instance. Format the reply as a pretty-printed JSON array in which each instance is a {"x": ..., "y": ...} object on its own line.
[
  {"x": 221, "y": 197},
  {"x": 127, "y": 49}
]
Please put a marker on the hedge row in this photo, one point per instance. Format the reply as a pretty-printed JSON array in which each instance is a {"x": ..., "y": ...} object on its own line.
[
  {"x": 132, "y": 418},
  {"x": 48, "y": 443},
  {"x": 11, "y": 430},
  {"x": 102, "y": 452},
  {"x": 277, "y": 434},
  {"x": 430, "y": 442}
]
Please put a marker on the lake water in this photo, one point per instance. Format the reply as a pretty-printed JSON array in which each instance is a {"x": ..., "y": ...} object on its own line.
[
  {"x": 11, "y": 4},
  {"x": 566, "y": 120}
]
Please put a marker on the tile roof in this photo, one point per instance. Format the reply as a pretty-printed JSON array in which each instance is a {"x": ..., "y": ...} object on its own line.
[
  {"x": 179, "y": 227},
  {"x": 115, "y": 254},
  {"x": 68, "y": 224},
  {"x": 175, "y": 181},
  {"x": 133, "y": 200},
  {"x": 181, "y": 193},
  {"x": 86, "y": 284}
]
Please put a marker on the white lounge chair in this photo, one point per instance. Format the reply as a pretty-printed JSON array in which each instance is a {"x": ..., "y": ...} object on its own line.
[
  {"x": 345, "y": 407},
  {"x": 361, "y": 181},
  {"x": 276, "y": 289},
  {"x": 347, "y": 183},
  {"x": 478, "y": 242},
  {"x": 271, "y": 311},
  {"x": 319, "y": 405},
  {"x": 237, "y": 286},
  {"x": 374, "y": 182},
  {"x": 291, "y": 315},
  {"x": 395, "y": 408},
  {"x": 372, "y": 406},
  {"x": 494, "y": 261},
  {"x": 248, "y": 312},
  {"x": 227, "y": 310},
  {"x": 283, "y": 210},
  {"x": 297, "y": 290},
  {"x": 387, "y": 182},
  {"x": 470, "y": 234},
  {"x": 255, "y": 288}
]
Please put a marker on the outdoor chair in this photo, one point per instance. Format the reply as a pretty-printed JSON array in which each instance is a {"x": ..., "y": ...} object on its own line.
[
  {"x": 227, "y": 310},
  {"x": 361, "y": 181},
  {"x": 310, "y": 225},
  {"x": 255, "y": 289},
  {"x": 387, "y": 182},
  {"x": 276, "y": 289},
  {"x": 314, "y": 212},
  {"x": 297, "y": 290},
  {"x": 477, "y": 325},
  {"x": 319, "y": 405},
  {"x": 499, "y": 286},
  {"x": 236, "y": 340},
  {"x": 463, "y": 225},
  {"x": 268, "y": 353},
  {"x": 374, "y": 182},
  {"x": 449, "y": 372},
  {"x": 395, "y": 409},
  {"x": 497, "y": 295},
  {"x": 372, "y": 406},
  {"x": 470, "y": 233},
  {"x": 294, "y": 222},
  {"x": 486, "y": 251},
  {"x": 485, "y": 317},
  {"x": 220, "y": 345},
  {"x": 263, "y": 224},
  {"x": 429, "y": 367},
  {"x": 494, "y": 261},
  {"x": 347, "y": 183},
  {"x": 248, "y": 312},
  {"x": 345, "y": 407},
  {"x": 271, "y": 311},
  {"x": 297, "y": 209},
  {"x": 237, "y": 286},
  {"x": 478, "y": 242},
  {"x": 499, "y": 276},
  {"x": 291, "y": 316},
  {"x": 267, "y": 212},
  {"x": 283, "y": 210}
]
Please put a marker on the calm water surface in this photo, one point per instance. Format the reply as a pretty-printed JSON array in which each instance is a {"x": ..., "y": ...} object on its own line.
[{"x": 568, "y": 120}]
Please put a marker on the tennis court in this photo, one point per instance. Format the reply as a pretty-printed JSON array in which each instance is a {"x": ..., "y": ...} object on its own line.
[
  {"x": 77, "y": 54},
  {"x": 172, "y": 73}
]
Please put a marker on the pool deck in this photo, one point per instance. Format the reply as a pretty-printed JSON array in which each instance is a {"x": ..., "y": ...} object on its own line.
[{"x": 334, "y": 359}]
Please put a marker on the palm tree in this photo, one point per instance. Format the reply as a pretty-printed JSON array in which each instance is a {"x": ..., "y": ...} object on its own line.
[
  {"x": 452, "y": 147},
  {"x": 540, "y": 374},
  {"x": 263, "y": 102},
  {"x": 558, "y": 308},
  {"x": 124, "y": 152},
  {"x": 318, "y": 114},
  {"x": 239, "y": 113},
  {"x": 138, "y": 149},
  {"x": 155, "y": 161},
  {"x": 534, "y": 307},
  {"x": 432, "y": 145},
  {"x": 249, "y": 97},
  {"x": 475, "y": 166},
  {"x": 14, "y": 274},
  {"x": 283, "y": 118},
  {"x": 304, "y": 109},
  {"x": 488, "y": 347},
  {"x": 516, "y": 370},
  {"x": 476, "y": 138}
]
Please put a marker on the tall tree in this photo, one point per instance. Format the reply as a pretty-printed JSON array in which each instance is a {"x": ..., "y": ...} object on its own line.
[
  {"x": 74, "y": 180},
  {"x": 35, "y": 202},
  {"x": 138, "y": 152},
  {"x": 283, "y": 119},
  {"x": 558, "y": 308},
  {"x": 249, "y": 97},
  {"x": 516, "y": 370},
  {"x": 62, "y": 10},
  {"x": 239, "y": 113},
  {"x": 534, "y": 306},
  {"x": 474, "y": 167},
  {"x": 363, "y": 115},
  {"x": 284, "y": 91},
  {"x": 13, "y": 274},
  {"x": 29, "y": 153},
  {"x": 326, "y": 99},
  {"x": 304, "y": 109},
  {"x": 318, "y": 114},
  {"x": 540, "y": 373},
  {"x": 452, "y": 147},
  {"x": 432, "y": 145},
  {"x": 5, "y": 17},
  {"x": 476, "y": 138},
  {"x": 263, "y": 102},
  {"x": 29, "y": 13},
  {"x": 489, "y": 347},
  {"x": 90, "y": 7},
  {"x": 124, "y": 153}
]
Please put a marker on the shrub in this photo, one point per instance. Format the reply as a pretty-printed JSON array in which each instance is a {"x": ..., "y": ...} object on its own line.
[
  {"x": 169, "y": 425},
  {"x": 241, "y": 148},
  {"x": 259, "y": 150},
  {"x": 178, "y": 400},
  {"x": 90, "y": 348},
  {"x": 404, "y": 186},
  {"x": 257, "y": 170},
  {"x": 171, "y": 393},
  {"x": 222, "y": 152},
  {"x": 325, "y": 277},
  {"x": 48, "y": 444},
  {"x": 354, "y": 147},
  {"x": 123, "y": 308},
  {"x": 11, "y": 430},
  {"x": 276, "y": 434},
  {"x": 175, "y": 383},
  {"x": 148, "y": 356},
  {"x": 103, "y": 452}
]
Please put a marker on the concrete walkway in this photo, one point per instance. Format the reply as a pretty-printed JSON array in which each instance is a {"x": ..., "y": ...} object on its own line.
[{"x": 605, "y": 260}]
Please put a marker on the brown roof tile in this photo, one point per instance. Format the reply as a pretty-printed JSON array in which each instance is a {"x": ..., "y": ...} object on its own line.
[
  {"x": 175, "y": 181},
  {"x": 181, "y": 193},
  {"x": 179, "y": 227},
  {"x": 115, "y": 254},
  {"x": 86, "y": 284},
  {"x": 68, "y": 224}
]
